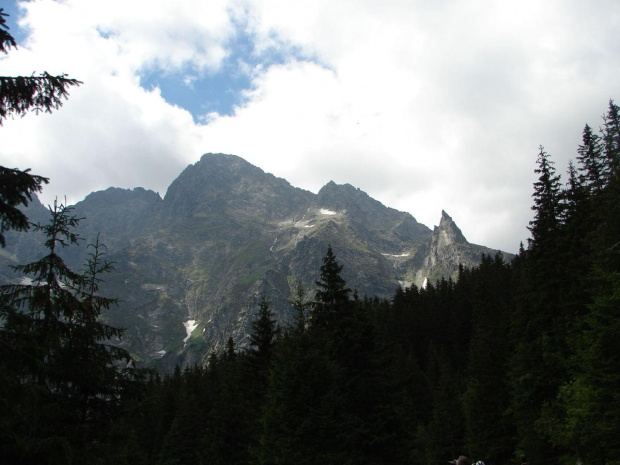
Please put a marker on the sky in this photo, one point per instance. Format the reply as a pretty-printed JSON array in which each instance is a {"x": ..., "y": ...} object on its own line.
[{"x": 424, "y": 105}]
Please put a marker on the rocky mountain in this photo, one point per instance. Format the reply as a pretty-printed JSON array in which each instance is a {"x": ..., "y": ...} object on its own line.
[{"x": 190, "y": 268}]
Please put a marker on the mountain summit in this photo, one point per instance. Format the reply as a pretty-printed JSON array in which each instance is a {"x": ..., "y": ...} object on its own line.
[{"x": 191, "y": 267}]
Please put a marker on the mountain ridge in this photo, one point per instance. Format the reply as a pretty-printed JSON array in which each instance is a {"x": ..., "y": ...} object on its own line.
[{"x": 227, "y": 232}]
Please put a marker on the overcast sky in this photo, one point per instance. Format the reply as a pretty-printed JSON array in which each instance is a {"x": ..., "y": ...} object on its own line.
[{"x": 425, "y": 105}]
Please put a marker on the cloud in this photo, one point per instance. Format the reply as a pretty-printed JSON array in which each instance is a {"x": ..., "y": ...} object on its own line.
[{"x": 424, "y": 105}]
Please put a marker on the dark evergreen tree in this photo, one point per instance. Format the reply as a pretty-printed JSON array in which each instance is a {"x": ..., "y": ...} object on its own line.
[
  {"x": 230, "y": 349},
  {"x": 62, "y": 377},
  {"x": 19, "y": 95},
  {"x": 264, "y": 331},
  {"x": 611, "y": 139},
  {"x": 593, "y": 171},
  {"x": 298, "y": 301},
  {"x": 16, "y": 189},
  {"x": 332, "y": 295},
  {"x": 547, "y": 204},
  {"x": 540, "y": 321}
]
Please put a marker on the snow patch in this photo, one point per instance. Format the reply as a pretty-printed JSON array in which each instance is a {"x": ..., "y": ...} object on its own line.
[
  {"x": 273, "y": 245},
  {"x": 395, "y": 256},
  {"x": 325, "y": 211},
  {"x": 160, "y": 353},
  {"x": 190, "y": 326},
  {"x": 425, "y": 283},
  {"x": 154, "y": 287}
]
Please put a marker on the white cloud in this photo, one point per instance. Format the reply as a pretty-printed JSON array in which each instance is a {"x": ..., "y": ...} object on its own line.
[{"x": 424, "y": 105}]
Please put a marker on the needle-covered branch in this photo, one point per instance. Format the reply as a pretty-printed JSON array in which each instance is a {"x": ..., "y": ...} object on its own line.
[{"x": 43, "y": 93}]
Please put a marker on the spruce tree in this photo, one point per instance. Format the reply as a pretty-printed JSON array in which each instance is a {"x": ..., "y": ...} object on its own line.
[
  {"x": 539, "y": 324},
  {"x": 332, "y": 295},
  {"x": 298, "y": 301},
  {"x": 592, "y": 167},
  {"x": 264, "y": 331},
  {"x": 230, "y": 349},
  {"x": 611, "y": 139},
  {"x": 62, "y": 377},
  {"x": 547, "y": 207}
]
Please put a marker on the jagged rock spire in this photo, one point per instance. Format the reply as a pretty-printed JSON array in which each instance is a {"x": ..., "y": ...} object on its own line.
[{"x": 448, "y": 232}]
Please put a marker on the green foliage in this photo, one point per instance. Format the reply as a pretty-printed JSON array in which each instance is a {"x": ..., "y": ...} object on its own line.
[
  {"x": 299, "y": 303},
  {"x": 6, "y": 39},
  {"x": 264, "y": 331},
  {"x": 332, "y": 295},
  {"x": 547, "y": 208},
  {"x": 43, "y": 93},
  {"x": 62, "y": 376},
  {"x": 16, "y": 188},
  {"x": 20, "y": 94}
]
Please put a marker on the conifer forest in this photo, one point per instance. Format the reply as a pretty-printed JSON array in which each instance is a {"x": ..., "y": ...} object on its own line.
[{"x": 512, "y": 358}]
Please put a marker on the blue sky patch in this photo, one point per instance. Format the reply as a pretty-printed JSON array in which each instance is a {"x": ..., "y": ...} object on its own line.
[
  {"x": 199, "y": 94},
  {"x": 202, "y": 92},
  {"x": 18, "y": 33}
]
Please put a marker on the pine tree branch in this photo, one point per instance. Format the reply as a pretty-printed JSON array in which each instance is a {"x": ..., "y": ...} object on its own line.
[
  {"x": 43, "y": 93},
  {"x": 6, "y": 39}
]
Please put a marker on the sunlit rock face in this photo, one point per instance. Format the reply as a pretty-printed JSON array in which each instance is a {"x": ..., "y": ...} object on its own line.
[
  {"x": 190, "y": 268},
  {"x": 447, "y": 246}
]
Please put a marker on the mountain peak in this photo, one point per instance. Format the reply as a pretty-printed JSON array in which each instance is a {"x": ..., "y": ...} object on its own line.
[
  {"x": 341, "y": 196},
  {"x": 448, "y": 232},
  {"x": 228, "y": 184}
]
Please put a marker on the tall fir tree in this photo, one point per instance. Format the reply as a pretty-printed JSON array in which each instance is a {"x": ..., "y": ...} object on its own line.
[
  {"x": 298, "y": 301},
  {"x": 611, "y": 140},
  {"x": 62, "y": 377},
  {"x": 332, "y": 294},
  {"x": 538, "y": 329},
  {"x": 547, "y": 202},
  {"x": 593, "y": 170},
  {"x": 264, "y": 331}
]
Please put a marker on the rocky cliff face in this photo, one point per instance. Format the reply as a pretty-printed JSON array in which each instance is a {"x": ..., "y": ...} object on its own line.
[
  {"x": 190, "y": 268},
  {"x": 446, "y": 247}
]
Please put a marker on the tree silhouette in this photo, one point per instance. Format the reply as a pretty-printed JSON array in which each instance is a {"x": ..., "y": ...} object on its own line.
[
  {"x": 332, "y": 295},
  {"x": 19, "y": 95},
  {"x": 61, "y": 377}
]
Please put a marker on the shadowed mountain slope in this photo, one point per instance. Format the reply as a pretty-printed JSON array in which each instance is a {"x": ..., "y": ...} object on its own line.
[{"x": 190, "y": 268}]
